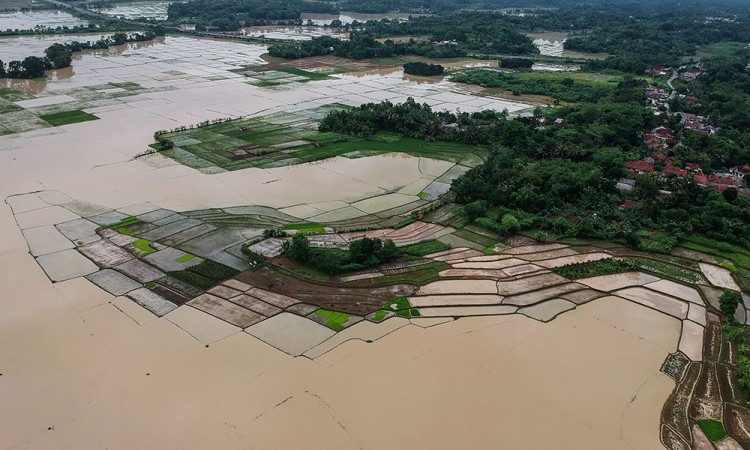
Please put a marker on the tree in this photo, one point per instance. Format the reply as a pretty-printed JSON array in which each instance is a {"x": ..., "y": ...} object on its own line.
[
  {"x": 33, "y": 67},
  {"x": 475, "y": 210},
  {"x": 299, "y": 249},
  {"x": 2, "y": 69},
  {"x": 728, "y": 302},
  {"x": 730, "y": 194}
]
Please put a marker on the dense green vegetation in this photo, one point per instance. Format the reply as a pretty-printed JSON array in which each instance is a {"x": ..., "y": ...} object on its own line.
[
  {"x": 560, "y": 179},
  {"x": 423, "y": 69},
  {"x": 737, "y": 333},
  {"x": 516, "y": 63},
  {"x": 229, "y": 15},
  {"x": 362, "y": 254}
]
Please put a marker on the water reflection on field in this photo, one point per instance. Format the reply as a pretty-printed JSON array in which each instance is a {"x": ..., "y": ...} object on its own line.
[
  {"x": 349, "y": 17},
  {"x": 28, "y": 20},
  {"x": 19, "y": 47},
  {"x": 292, "y": 33},
  {"x": 156, "y": 10}
]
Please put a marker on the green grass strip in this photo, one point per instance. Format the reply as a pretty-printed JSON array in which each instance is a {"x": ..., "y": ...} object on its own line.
[
  {"x": 185, "y": 258},
  {"x": 714, "y": 430}
]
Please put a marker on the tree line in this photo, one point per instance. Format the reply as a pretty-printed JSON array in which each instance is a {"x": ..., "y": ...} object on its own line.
[{"x": 58, "y": 56}]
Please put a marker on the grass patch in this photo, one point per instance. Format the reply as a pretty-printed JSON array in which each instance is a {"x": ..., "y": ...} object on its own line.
[
  {"x": 335, "y": 320},
  {"x": 13, "y": 95},
  {"x": 714, "y": 430},
  {"x": 722, "y": 48},
  {"x": 398, "y": 304},
  {"x": 403, "y": 223},
  {"x": 306, "y": 228},
  {"x": 122, "y": 226},
  {"x": 425, "y": 248},
  {"x": 185, "y": 258},
  {"x": 312, "y": 76},
  {"x": 408, "y": 313},
  {"x": 379, "y": 316},
  {"x": 489, "y": 251},
  {"x": 68, "y": 117},
  {"x": 144, "y": 245}
]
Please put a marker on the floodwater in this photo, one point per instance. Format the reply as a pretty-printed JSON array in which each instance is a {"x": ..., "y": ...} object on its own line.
[
  {"x": 349, "y": 17},
  {"x": 155, "y": 10},
  {"x": 85, "y": 369},
  {"x": 551, "y": 44},
  {"x": 19, "y": 47},
  {"x": 28, "y": 20},
  {"x": 292, "y": 33}
]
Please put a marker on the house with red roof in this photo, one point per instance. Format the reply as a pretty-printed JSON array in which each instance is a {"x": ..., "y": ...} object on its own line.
[{"x": 639, "y": 166}]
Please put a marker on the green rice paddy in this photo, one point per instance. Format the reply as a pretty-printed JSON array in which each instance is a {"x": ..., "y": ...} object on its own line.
[
  {"x": 185, "y": 258},
  {"x": 305, "y": 228},
  {"x": 335, "y": 320},
  {"x": 714, "y": 430},
  {"x": 425, "y": 248},
  {"x": 379, "y": 316},
  {"x": 144, "y": 245},
  {"x": 67, "y": 118}
]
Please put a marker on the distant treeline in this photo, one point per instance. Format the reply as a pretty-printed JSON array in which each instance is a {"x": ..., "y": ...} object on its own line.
[
  {"x": 423, "y": 69},
  {"x": 58, "y": 56}
]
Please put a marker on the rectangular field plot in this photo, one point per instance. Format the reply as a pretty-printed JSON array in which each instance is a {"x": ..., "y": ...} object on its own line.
[{"x": 68, "y": 117}]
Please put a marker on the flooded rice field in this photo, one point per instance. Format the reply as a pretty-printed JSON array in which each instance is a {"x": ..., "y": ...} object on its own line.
[
  {"x": 154, "y": 10},
  {"x": 28, "y": 20},
  {"x": 590, "y": 378},
  {"x": 349, "y": 17},
  {"x": 291, "y": 33},
  {"x": 19, "y": 47},
  {"x": 551, "y": 43}
]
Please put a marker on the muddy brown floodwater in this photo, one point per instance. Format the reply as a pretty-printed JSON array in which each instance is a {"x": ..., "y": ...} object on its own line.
[{"x": 83, "y": 369}]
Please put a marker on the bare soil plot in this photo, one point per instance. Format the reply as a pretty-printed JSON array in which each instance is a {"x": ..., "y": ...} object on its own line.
[
  {"x": 140, "y": 271},
  {"x": 256, "y": 305},
  {"x": 356, "y": 300},
  {"x": 105, "y": 254},
  {"x": 737, "y": 420},
  {"x": 226, "y": 310},
  {"x": 706, "y": 402}
]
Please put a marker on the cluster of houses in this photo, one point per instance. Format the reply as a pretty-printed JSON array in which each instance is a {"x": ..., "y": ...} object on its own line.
[{"x": 659, "y": 140}]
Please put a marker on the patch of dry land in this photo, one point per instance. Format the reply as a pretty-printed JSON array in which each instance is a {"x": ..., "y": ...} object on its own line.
[{"x": 102, "y": 350}]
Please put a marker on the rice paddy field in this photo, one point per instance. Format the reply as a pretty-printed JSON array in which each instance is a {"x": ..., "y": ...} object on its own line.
[{"x": 284, "y": 139}]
